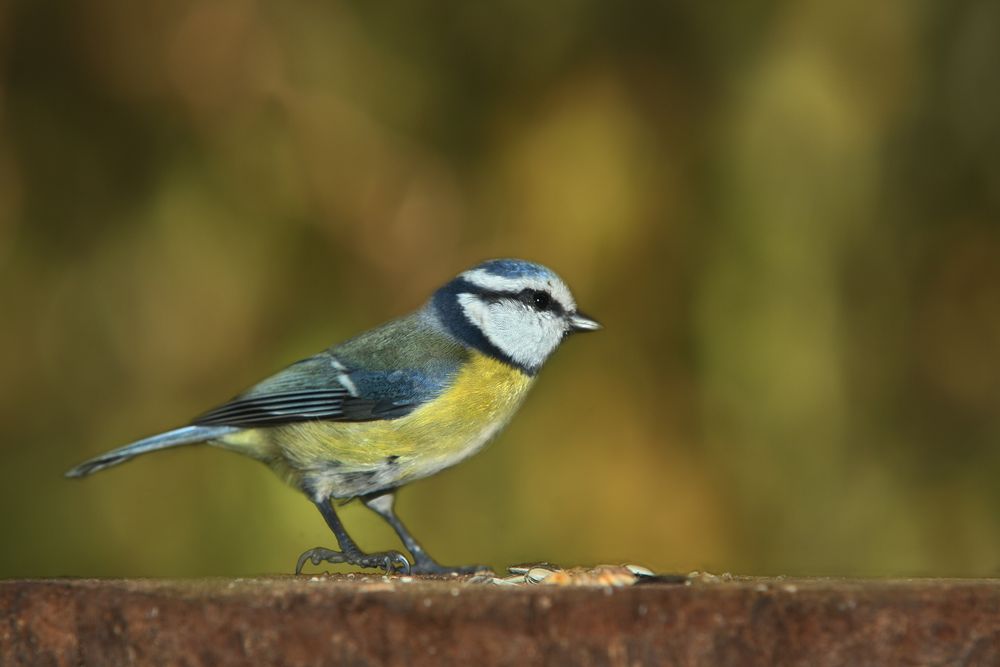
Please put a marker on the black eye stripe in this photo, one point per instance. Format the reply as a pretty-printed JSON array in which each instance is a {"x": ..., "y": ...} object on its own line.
[{"x": 538, "y": 300}]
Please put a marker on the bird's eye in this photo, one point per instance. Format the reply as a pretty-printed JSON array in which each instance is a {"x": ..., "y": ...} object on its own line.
[{"x": 536, "y": 299}]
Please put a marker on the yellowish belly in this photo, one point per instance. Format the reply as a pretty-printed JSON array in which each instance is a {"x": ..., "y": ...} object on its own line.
[{"x": 346, "y": 459}]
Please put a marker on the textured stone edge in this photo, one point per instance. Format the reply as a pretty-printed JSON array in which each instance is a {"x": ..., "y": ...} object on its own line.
[{"x": 353, "y": 619}]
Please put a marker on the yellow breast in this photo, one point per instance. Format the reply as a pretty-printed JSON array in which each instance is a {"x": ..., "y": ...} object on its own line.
[{"x": 345, "y": 459}]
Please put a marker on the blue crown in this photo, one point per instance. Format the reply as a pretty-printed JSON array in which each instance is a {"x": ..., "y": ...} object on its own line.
[{"x": 515, "y": 268}]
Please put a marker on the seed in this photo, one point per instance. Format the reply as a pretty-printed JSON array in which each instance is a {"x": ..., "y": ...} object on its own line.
[
  {"x": 538, "y": 574},
  {"x": 639, "y": 570}
]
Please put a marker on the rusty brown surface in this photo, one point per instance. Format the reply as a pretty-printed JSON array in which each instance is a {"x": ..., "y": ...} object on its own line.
[{"x": 374, "y": 620}]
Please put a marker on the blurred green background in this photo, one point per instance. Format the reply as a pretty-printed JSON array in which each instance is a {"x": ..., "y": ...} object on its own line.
[{"x": 785, "y": 214}]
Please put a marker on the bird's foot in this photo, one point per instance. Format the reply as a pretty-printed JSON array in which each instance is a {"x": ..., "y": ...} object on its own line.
[{"x": 390, "y": 561}]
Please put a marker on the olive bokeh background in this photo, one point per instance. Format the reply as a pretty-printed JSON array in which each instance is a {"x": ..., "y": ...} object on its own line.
[{"x": 786, "y": 214}]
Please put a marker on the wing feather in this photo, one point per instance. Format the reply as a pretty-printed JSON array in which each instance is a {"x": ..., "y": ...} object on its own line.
[
  {"x": 385, "y": 373},
  {"x": 313, "y": 389},
  {"x": 276, "y": 408}
]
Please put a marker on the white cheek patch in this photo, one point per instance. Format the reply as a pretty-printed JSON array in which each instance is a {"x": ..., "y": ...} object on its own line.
[{"x": 526, "y": 336}]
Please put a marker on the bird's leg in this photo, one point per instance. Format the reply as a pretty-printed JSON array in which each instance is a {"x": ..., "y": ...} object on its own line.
[
  {"x": 381, "y": 504},
  {"x": 390, "y": 561}
]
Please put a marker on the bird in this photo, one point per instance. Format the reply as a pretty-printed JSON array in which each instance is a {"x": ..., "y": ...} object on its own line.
[{"x": 395, "y": 404}]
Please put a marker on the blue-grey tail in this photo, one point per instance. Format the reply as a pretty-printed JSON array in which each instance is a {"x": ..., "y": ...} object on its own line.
[{"x": 188, "y": 435}]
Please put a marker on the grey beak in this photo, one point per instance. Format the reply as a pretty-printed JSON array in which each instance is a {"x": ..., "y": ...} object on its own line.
[{"x": 580, "y": 322}]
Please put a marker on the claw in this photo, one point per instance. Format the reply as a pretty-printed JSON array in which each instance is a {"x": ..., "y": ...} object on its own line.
[
  {"x": 400, "y": 560},
  {"x": 317, "y": 556},
  {"x": 390, "y": 561}
]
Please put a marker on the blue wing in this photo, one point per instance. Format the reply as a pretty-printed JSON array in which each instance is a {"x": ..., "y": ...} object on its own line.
[{"x": 322, "y": 387}]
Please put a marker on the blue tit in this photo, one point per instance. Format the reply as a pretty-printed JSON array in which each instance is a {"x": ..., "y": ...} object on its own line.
[{"x": 395, "y": 404}]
